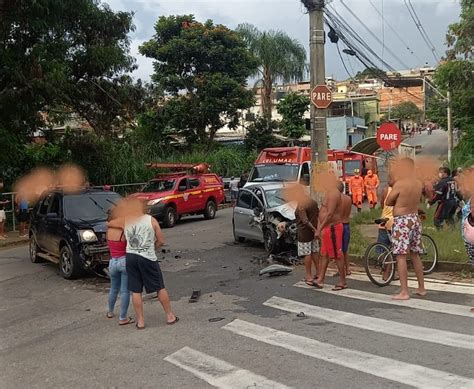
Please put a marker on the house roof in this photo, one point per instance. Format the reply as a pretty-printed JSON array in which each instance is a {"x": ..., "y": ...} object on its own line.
[{"x": 366, "y": 146}]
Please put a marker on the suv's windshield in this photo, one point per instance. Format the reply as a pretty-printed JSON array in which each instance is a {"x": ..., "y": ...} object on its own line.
[
  {"x": 275, "y": 173},
  {"x": 274, "y": 198},
  {"x": 159, "y": 186},
  {"x": 89, "y": 206}
]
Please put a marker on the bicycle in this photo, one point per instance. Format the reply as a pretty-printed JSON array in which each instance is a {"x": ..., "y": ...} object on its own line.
[{"x": 379, "y": 261}]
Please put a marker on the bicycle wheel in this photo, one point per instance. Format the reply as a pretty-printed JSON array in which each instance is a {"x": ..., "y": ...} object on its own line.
[
  {"x": 379, "y": 264},
  {"x": 429, "y": 257}
]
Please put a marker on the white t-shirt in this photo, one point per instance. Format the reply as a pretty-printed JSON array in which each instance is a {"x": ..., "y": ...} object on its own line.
[{"x": 141, "y": 238}]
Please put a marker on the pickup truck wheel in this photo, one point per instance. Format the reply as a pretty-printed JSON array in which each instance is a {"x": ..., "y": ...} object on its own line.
[
  {"x": 210, "y": 211},
  {"x": 69, "y": 264},
  {"x": 170, "y": 217},
  {"x": 34, "y": 249},
  {"x": 270, "y": 241}
]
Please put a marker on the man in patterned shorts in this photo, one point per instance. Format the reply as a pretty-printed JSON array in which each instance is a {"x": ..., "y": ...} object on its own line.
[{"x": 405, "y": 198}]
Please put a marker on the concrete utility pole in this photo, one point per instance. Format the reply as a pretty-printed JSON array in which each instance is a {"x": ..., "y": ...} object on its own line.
[
  {"x": 450, "y": 125},
  {"x": 317, "y": 77}
]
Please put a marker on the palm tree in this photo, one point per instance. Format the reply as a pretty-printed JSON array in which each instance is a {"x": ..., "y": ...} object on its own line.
[{"x": 280, "y": 57}]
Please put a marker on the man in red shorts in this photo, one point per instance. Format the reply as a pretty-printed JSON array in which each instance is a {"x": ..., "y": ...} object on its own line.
[{"x": 330, "y": 231}]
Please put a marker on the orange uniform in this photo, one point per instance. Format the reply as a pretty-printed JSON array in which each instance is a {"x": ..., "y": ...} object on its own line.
[
  {"x": 371, "y": 183},
  {"x": 356, "y": 187}
]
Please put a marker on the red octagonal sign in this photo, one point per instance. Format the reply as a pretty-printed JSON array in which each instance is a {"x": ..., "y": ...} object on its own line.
[
  {"x": 321, "y": 96},
  {"x": 389, "y": 136}
]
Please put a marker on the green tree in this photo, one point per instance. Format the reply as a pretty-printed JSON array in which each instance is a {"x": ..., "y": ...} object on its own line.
[
  {"x": 406, "y": 110},
  {"x": 460, "y": 36},
  {"x": 260, "y": 133},
  {"x": 292, "y": 109},
  {"x": 370, "y": 73},
  {"x": 203, "y": 69},
  {"x": 59, "y": 57},
  {"x": 280, "y": 58}
]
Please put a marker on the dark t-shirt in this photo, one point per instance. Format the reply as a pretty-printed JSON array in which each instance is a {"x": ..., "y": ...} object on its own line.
[
  {"x": 446, "y": 189},
  {"x": 304, "y": 216}
]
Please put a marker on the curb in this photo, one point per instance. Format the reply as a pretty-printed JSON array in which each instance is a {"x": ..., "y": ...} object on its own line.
[{"x": 16, "y": 243}]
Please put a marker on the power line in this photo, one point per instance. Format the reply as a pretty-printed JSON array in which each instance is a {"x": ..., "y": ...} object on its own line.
[
  {"x": 343, "y": 63},
  {"x": 420, "y": 28},
  {"x": 373, "y": 35},
  {"x": 395, "y": 32}
]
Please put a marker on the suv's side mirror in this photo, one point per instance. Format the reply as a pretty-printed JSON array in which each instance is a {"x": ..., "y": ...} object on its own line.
[{"x": 52, "y": 216}]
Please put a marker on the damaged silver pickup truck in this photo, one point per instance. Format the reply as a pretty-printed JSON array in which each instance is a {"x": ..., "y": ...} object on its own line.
[{"x": 262, "y": 214}]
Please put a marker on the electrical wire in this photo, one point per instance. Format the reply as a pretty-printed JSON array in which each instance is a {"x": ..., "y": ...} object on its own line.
[
  {"x": 395, "y": 32},
  {"x": 374, "y": 35},
  {"x": 421, "y": 29},
  {"x": 343, "y": 63}
]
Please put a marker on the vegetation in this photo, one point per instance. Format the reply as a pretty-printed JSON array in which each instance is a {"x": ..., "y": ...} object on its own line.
[
  {"x": 280, "y": 58},
  {"x": 370, "y": 73},
  {"x": 292, "y": 109},
  {"x": 260, "y": 134},
  {"x": 460, "y": 36},
  {"x": 406, "y": 110},
  {"x": 203, "y": 69}
]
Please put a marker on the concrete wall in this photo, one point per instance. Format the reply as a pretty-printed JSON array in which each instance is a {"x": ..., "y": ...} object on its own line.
[{"x": 337, "y": 131}]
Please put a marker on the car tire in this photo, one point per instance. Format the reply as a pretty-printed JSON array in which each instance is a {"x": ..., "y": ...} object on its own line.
[
  {"x": 270, "y": 241},
  {"x": 70, "y": 265},
  {"x": 34, "y": 250},
  {"x": 210, "y": 210},
  {"x": 170, "y": 217}
]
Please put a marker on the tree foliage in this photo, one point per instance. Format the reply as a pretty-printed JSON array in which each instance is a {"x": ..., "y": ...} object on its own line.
[
  {"x": 370, "y": 73},
  {"x": 280, "y": 58},
  {"x": 260, "y": 133},
  {"x": 460, "y": 36},
  {"x": 58, "y": 57},
  {"x": 292, "y": 109},
  {"x": 203, "y": 69},
  {"x": 406, "y": 110}
]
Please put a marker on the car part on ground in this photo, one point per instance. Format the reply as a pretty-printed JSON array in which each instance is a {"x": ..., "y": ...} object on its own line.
[{"x": 276, "y": 270}]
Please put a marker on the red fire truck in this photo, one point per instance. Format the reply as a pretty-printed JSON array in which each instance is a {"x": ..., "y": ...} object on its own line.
[
  {"x": 293, "y": 164},
  {"x": 174, "y": 194}
]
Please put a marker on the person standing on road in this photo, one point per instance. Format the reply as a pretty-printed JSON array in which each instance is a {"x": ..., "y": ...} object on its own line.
[
  {"x": 144, "y": 236},
  {"x": 23, "y": 215},
  {"x": 330, "y": 231},
  {"x": 307, "y": 212},
  {"x": 445, "y": 195},
  {"x": 118, "y": 272},
  {"x": 234, "y": 190},
  {"x": 405, "y": 198},
  {"x": 3, "y": 216},
  {"x": 346, "y": 208},
  {"x": 356, "y": 189},
  {"x": 371, "y": 184}
]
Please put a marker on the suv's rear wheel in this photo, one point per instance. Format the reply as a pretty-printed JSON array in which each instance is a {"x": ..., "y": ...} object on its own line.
[
  {"x": 34, "y": 249},
  {"x": 210, "y": 210},
  {"x": 170, "y": 217},
  {"x": 69, "y": 264}
]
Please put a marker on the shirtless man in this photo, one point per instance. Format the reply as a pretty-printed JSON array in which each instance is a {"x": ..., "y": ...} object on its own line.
[
  {"x": 330, "y": 231},
  {"x": 405, "y": 197},
  {"x": 346, "y": 208}
]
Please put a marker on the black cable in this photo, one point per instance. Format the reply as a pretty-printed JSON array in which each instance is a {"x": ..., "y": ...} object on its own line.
[{"x": 343, "y": 63}]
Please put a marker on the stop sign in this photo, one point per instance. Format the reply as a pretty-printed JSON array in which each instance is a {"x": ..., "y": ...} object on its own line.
[
  {"x": 321, "y": 96},
  {"x": 389, "y": 136}
]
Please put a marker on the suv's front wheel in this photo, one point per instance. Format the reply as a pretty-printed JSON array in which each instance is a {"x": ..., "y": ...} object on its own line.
[
  {"x": 69, "y": 264},
  {"x": 34, "y": 249}
]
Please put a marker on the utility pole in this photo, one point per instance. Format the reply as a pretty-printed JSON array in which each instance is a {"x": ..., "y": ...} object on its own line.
[
  {"x": 317, "y": 77},
  {"x": 450, "y": 125}
]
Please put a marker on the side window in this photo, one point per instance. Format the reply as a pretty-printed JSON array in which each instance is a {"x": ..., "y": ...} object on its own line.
[
  {"x": 194, "y": 183},
  {"x": 255, "y": 203},
  {"x": 55, "y": 205},
  {"x": 305, "y": 175},
  {"x": 183, "y": 185},
  {"x": 43, "y": 209},
  {"x": 245, "y": 200}
]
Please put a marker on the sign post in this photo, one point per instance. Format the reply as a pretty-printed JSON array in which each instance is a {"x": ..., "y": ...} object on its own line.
[{"x": 389, "y": 136}]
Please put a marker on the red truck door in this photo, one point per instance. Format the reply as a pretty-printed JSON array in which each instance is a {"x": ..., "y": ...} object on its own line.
[{"x": 195, "y": 195}]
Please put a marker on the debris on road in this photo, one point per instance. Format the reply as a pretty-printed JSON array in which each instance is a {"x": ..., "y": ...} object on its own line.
[
  {"x": 301, "y": 314},
  {"x": 195, "y": 296},
  {"x": 276, "y": 270},
  {"x": 215, "y": 319}
]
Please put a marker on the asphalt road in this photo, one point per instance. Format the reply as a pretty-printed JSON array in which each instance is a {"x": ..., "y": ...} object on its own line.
[
  {"x": 434, "y": 145},
  {"x": 54, "y": 332}
]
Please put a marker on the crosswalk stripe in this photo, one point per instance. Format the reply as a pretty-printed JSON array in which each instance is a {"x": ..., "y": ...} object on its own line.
[
  {"x": 430, "y": 285},
  {"x": 406, "y": 373},
  {"x": 418, "y": 303},
  {"x": 388, "y": 327},
  {"x": 219, "y": 373}
]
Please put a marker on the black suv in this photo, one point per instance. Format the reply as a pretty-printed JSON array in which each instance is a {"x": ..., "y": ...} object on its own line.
[{"x": 70, "y": 229}]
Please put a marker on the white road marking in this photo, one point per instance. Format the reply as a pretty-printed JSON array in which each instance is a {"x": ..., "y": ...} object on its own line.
[
  {"x": 430, "y": 284},
  {"x": 418, "y": 303},
  {"x": 219, "y": 373},
  {"x": 390, "y": 369},
  {"x": 388, "y": 327}
]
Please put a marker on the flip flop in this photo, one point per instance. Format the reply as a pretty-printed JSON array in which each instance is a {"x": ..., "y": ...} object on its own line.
[
  {"x": 337, "y": 288},
  {"x": 170, "y": 323},
  {"x": 129, "y": 321},
  {"x": 309, "y": 283},
  {"x": 317, "y": 286},
  {"x": 109, "y": 315},
  {"x": 140, "y": 328}
]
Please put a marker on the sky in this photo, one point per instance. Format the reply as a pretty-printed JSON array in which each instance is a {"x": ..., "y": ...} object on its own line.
[{"x": 290, "y": 17}]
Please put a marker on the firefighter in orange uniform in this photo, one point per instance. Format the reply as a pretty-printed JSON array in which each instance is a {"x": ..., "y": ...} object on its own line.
[
  {"x": 356, "y": 189},
  {"x": 371, "y": 182}
]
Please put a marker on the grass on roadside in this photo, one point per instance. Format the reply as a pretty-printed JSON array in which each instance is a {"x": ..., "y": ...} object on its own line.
[{"x": 449, "y": 241}]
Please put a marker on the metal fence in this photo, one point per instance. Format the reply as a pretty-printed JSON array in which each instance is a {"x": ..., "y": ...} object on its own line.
[{"x": 10, "y": 209}]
